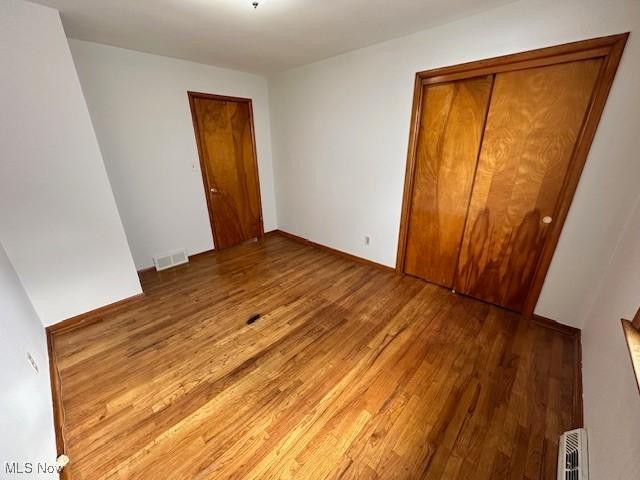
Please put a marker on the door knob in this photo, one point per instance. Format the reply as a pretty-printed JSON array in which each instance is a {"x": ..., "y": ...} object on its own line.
[
  {"x": 547, "y": 219},
  {"x": 213, "y": 190}
]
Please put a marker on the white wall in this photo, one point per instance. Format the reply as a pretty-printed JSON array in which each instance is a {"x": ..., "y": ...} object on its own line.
[
  {"x": 58, "y": 219},
  {"x": 611, "y": 398},
  {"x": 139, "y": 107},
  {"x": 341, "y": 127},
  {"x": 26, "y": 418}
]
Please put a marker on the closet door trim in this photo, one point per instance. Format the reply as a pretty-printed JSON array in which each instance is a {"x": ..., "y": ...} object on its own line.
[{"x": 609, "y": 48}]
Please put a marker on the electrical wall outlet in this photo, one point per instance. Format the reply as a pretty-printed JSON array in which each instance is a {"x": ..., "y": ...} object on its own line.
[
  {"x": 367, "y": 240},
  {"x": 33, "y": 362}
]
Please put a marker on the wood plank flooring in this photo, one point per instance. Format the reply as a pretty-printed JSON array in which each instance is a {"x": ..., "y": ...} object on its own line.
[{"x": 350, "y": 372}]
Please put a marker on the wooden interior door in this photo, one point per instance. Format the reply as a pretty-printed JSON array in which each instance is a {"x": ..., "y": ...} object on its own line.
[
  {"x": 449, "y": 135},
  {"x": 533, "y": 124},
  {"x": 224, "y": 133}
]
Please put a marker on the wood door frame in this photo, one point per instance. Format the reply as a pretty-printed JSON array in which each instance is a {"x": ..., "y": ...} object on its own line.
[
  {"x": 210, "y": 96},
  {"x": 608, "y": 48}
]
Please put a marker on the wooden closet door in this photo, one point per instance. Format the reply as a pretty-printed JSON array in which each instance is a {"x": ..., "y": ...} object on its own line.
[
  {"x": 533, "y": 124},
  {"x": 225, "y": 140},
  {"x": 449, "y": 135}
]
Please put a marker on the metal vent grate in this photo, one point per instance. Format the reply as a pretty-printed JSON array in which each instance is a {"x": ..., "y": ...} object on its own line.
[
  {"x": 572, "y": 456},
  {"x": 170, "y": 259},
  {"x": 178, "y": 258}
]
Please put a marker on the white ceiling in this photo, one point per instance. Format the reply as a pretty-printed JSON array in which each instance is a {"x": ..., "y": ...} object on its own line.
[{"x": 278, "y": 35}]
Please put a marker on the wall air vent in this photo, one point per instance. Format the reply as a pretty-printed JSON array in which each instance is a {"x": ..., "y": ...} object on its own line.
[
  {"x": 573, "y": 462},
  {"x": 170, "y": 259}
]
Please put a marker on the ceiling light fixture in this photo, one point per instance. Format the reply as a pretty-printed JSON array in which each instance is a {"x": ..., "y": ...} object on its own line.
[{"x": 255, "y": 4}]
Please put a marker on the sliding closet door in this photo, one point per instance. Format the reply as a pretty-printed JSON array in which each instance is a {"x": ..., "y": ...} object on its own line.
[
  {"x": 449, "y": 135},
  {"x": 532, "y": 127}
]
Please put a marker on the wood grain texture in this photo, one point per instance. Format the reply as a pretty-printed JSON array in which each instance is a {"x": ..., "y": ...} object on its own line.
[
  {"x": 350, "y": 372},
  {"x": 224, "y": 132},
  {"x": 632, "y": 337},
  {"x": 56, "y": 403},
  {"x": 566, "y": 52},
  {"x": 534, "y": 121},
  {"x": 554, "y": 325},
  {"x": 449, "y": 137},
  {"x": 636, "y": 320},
  {"x": 93, "y": 315},
  {"x": 609, "y": 49}
]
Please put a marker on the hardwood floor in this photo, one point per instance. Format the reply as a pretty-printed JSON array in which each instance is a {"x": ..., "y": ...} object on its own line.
[{"x": 350, "y": 372}]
